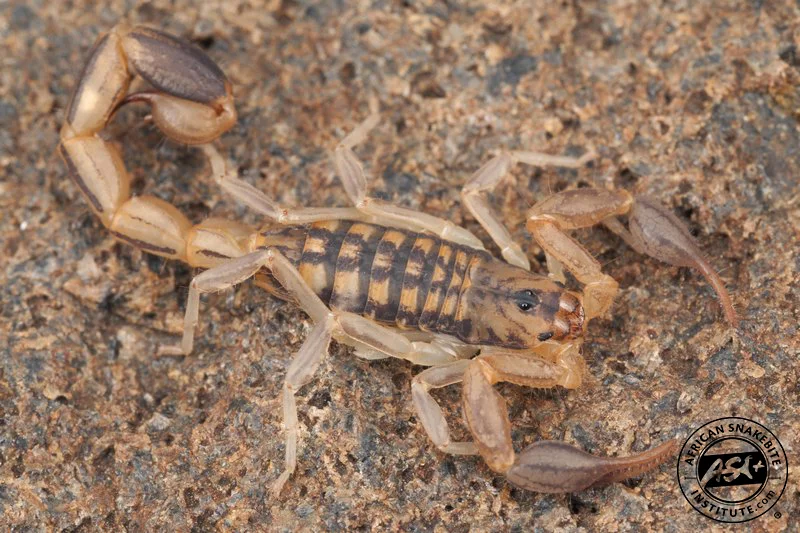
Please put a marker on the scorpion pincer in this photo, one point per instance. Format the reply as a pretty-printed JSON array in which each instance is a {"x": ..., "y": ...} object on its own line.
[{"x": 388, "y": 281}]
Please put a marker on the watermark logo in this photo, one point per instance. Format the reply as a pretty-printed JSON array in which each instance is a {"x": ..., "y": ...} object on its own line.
[{"x": 732, "y": 470}]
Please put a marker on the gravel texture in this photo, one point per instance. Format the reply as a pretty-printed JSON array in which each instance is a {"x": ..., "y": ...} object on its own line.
[{"x": 695, "y": 103}]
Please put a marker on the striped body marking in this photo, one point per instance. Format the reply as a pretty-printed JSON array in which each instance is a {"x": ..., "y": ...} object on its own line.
[{"x": 414, "y": 280}]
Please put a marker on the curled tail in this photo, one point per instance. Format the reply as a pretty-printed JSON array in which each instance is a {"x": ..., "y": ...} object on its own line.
[{"x": 191, "y": 102}]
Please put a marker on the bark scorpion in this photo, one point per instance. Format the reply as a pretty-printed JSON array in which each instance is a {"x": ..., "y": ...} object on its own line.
[{"x": 388, "y": 281}]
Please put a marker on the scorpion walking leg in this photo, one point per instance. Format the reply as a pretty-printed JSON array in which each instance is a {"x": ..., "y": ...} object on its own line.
[
  {"x": 257, "y": 200},
  {"x": 348, "y": 328},
  {"x": 355, "y": 183},
  {"x": 545, "y": 466},
  {"x": 216, "y": 279},
  {"x": 488, "y": 177},
  {"x": 374, "y": 341},
  {"x": 564, "y": 361},
  {"x": 428, "y": 410},
  {"x": 427, "y": 349},
  {"x": 307, "y": 359},
  {"x": 302, "y": 367}
]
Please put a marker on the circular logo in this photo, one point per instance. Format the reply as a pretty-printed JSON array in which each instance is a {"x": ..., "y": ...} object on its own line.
[{"x": 732, "y": 469}]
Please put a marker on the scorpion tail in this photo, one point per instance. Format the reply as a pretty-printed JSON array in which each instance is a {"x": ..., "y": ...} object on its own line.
[{"x": 191, "y": 102}]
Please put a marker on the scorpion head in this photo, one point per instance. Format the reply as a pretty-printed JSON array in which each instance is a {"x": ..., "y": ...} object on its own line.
[{"x": 506, "y": 306}]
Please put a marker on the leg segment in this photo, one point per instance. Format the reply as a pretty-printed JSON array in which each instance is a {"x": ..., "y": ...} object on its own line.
[
  {"x": 424, "y": 353},
  {"x": 355, "y": 183},
  {"x": 374, "y": 341},
  {"x": 488, "y": 177},
  {"x": 263, "y": 204},
  {"x": 580, "y": 208},
  {"x": 428, "y": 410},
  {"x": 545, "y": 466},
  {"x": 309, "y": 357},
  {"x": 215, "y": 279},
  {"x": 303, "y": 366}
]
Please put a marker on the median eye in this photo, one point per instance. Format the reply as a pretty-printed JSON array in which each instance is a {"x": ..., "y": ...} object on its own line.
[{"x": 526, "y": 300}]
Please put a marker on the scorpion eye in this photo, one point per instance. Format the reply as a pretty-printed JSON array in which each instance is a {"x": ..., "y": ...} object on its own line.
[{"x": 526, "y": 300}]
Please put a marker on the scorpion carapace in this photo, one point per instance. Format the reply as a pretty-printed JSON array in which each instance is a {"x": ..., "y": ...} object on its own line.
[{"x": 386, "y": 280}]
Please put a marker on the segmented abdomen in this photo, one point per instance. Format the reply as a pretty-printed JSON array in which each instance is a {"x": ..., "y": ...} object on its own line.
[{"x": 392, "y": 276}]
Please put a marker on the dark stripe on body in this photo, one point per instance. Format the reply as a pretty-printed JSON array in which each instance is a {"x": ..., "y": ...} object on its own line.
[
  {"x": 386, "y": 277},
  {"x": 353, "y": 267},
  {"x": 321, "y": 251},
  {"x": 442, "y": 273},
  {"x": 147, "y": 247},
  {"x": 417, "y": 280},
  {"x": 447, "y": 313}
]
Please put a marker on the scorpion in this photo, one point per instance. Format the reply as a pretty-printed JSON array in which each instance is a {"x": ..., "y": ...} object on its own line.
[{"x": 385, "y": 280}]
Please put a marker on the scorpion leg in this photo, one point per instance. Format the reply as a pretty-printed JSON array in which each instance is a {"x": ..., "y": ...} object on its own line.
[
  {"x": 237, "y": 270},
  {"x": 348, "y": 328},
  {"x": 374, "y": 341},
  {"x": 257, "y": 200},
  {"x": 355, "y": 184},
  {"x": 426, "y": 350},
  {"x": 307, "y": 360},
  {"x": 428, "y": 410},
  {"x": 302, "y": 367},
  {"x": 579, "y": 208},
  {"x": 545, "y": 466},
  {"x": 656, "y": 232},
  {"x": 488, "y": 177}
]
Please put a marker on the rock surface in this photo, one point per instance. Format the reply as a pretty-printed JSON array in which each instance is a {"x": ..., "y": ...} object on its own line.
[{"x": 693, "y": 103}]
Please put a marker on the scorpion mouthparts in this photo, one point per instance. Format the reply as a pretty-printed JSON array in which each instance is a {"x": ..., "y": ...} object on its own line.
[{"x": 570, "y": 319}]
